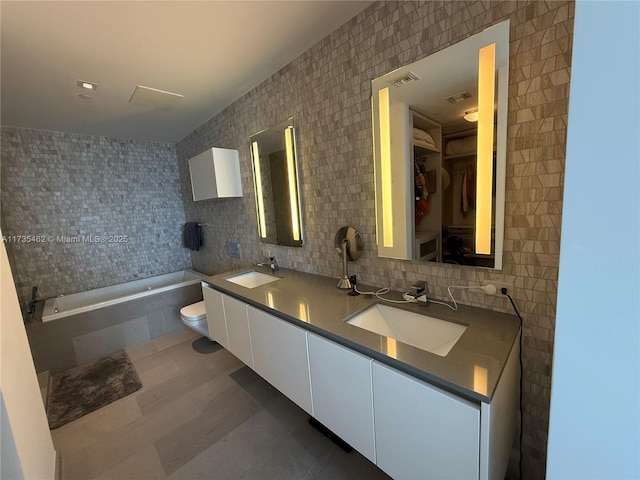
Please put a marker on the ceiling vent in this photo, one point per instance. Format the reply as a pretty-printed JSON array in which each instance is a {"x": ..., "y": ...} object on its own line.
[
  {"x": 458, "y": 97},
  {"x": 408, "y": 78},
  {"x": 152, "y": 97}
]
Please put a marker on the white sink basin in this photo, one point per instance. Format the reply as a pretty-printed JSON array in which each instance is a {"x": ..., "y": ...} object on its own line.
[
  {"x": 252, "y": 279},
  {"x": 421, "y": 331}
]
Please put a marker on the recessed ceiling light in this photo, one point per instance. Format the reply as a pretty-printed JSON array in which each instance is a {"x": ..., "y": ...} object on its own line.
[
  {"x": 84, "y": 96},
  {"x": 87, "y": 85}
]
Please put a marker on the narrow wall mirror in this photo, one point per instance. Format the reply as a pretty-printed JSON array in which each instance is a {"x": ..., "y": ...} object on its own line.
[
  {"x": 439, "y": 127},
  {"x": 275, "y": 179}
]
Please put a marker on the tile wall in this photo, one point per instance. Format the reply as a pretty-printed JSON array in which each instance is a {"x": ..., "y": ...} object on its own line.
[
  {"x": 327, "y": 90},
  {"x": 58, "y": 185}
]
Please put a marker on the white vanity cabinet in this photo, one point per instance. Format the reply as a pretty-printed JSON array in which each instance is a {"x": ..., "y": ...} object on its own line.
[
  {"x": 280, "y": 356},
  {"x": 342, "y": 393},
  {"x": 216, "y": 323},
  {"x": 422, "y": 431},
  {"x": 235, "y": 313},
  {"x": 409, "y": 428}
]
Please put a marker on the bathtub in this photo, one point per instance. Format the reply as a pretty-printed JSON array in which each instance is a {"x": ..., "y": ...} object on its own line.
[
  {"x": 75, "y": 303},
  {"x": 83, "y": 327}
]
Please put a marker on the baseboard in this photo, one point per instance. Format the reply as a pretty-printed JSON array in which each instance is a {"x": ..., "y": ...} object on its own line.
[
  {"x": 44, "y": 382},
  {"x": 58, "y": 468}
]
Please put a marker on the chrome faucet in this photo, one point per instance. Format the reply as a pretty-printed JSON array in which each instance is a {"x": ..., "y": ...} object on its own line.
[{"x": 272, "y": 263}]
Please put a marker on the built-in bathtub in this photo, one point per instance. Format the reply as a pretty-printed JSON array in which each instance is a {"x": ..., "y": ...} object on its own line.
[
  {"x": 83, "y": 327},
  {"x": 65, "y": 305}
]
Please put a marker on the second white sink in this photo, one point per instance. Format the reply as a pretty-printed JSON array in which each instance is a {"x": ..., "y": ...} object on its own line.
[
  {"x": 252, "y": 279},
  {"x": 421, "y": 331}
]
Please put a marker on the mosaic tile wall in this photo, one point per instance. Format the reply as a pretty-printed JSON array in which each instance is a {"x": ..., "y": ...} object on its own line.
[
  {"x": 65, "y": 185},
  {"x": 327, "y": 91}
]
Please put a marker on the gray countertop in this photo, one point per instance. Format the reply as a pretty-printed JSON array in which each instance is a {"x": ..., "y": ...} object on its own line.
[{"x": 471, "y": 369}]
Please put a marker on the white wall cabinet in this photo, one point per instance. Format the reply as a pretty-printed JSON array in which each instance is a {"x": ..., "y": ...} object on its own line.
[
  {"x": 215, "y": 173},
  {"x": 238, "y": 329},
  {"x": 280, "y": 356},
  {"x": 422, "y": 431},
  {"x": 215, "y": 316},
  {"x": 342, "y": 393}
]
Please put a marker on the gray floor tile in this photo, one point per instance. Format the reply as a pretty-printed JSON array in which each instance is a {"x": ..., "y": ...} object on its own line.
[
  {"x": 160, "y": 395},
  {"x": 286, "y": 460},
  {"x": 94, "y": 425},
  {"x": 345, "y": 466},
  {"x": 204, "y": 394},
  {"x": 314, "y": 442},
  {"x": 215, "y": 463},
  {"x": 254, "y": 439},
  {"x": 144, "y": 464},
  {"x": 229, "y": 410},
  {"x": 109, "y": 450},
  {"x": 201, "y": 417},
  {"x": 261, "y": 391},
  {"x": 290, "y": 416}
]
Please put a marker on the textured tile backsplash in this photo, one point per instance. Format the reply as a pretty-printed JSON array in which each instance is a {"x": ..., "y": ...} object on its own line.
[
  {"x": 327, "y": 90},
  {"x": 58, "y": 185}
]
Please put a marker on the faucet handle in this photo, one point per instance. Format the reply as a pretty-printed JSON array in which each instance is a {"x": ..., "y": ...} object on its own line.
[{"x": 418, "y": 288}]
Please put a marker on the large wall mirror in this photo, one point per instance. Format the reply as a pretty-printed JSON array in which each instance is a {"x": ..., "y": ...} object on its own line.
[
  {"x": 275, "y": 177},
  {"x": 440, "y": 153}
]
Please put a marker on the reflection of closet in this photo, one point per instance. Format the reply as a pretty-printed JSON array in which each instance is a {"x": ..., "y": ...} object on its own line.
[
  {"x": 426, "y": 159},
  {"x": 459, "y": 213},
  {"x": 460, "y": 150}
]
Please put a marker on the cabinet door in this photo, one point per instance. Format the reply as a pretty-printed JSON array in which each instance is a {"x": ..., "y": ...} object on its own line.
[
  {"x": 421, "y": 431},
  {"x": 235, "y": 313},
  {"x": 280, "y": 356},
  {"x": 342, "y": 394},
  {"x": 215, "y": 316}
]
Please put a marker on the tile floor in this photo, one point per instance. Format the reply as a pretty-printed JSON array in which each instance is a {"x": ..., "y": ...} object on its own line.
[{"x": 201, "y": 417}]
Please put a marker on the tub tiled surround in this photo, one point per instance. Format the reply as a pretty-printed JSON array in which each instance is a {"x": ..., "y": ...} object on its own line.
[
  {"x": 327, "y": 90},
  {"x": 60, "y": 184}
]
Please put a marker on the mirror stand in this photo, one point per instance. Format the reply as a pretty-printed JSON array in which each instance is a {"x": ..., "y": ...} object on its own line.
[{"x": 349, "y": 245}]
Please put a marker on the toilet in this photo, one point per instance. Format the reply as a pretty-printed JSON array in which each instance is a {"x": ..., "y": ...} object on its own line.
[{"x": 194, "y": 316}]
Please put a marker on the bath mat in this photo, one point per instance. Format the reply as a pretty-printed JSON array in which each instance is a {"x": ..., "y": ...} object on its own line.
[
  {"x": 83, "y": 389},
  {"x": 205, "y": 346}
]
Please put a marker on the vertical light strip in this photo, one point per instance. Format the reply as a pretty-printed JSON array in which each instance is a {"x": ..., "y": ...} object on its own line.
[
  {"x": 262, "y": 223},
  {"x": 480, "y": 380},
  {"x": 293, "y": 192},
  {"x": 385, "y": 166},
  {"x": 270, "y": 301},
  {"x": 392, "y": 348},
  {"x": 484, "y": 177},
  {"x": 303, "y": 309}
]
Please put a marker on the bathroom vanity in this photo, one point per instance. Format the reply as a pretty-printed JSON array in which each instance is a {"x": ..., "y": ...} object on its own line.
[{"x": 413, "y": 413}]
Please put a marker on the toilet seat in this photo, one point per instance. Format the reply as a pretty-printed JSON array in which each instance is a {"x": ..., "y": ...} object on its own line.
[{"x": 193, "y": 313}]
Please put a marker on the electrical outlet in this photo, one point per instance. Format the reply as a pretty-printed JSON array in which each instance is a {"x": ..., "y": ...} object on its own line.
[
  {"x": 233, "y": 249},
  {"x": 499, "y": 285}
]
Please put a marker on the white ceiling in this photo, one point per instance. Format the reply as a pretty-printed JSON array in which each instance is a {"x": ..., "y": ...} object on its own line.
[{"x": 212, "y": 52}]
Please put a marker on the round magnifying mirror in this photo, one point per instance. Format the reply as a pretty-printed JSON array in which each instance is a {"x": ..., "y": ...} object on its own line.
[{"x": 355, "y": 245}]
